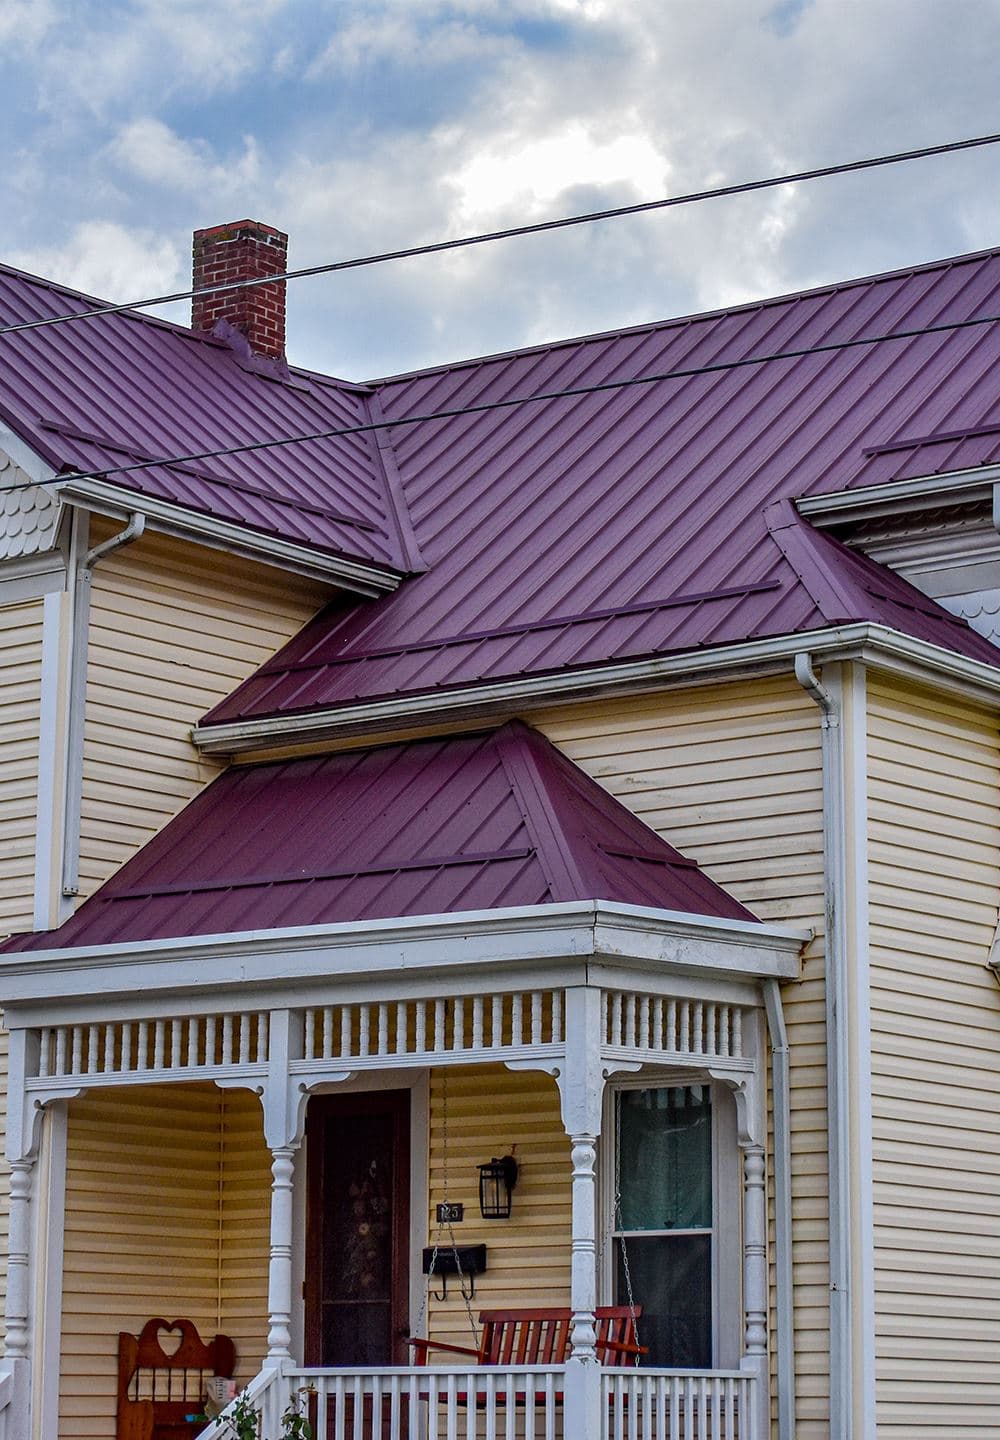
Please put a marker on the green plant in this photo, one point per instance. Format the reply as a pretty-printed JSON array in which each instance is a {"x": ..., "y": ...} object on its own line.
[
  {"x": 295, "y": 1422},
  {"x": 245, "y": 1420}
]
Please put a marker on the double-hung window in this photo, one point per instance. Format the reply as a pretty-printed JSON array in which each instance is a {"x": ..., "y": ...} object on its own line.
[{"x": 671, "y": 1219}]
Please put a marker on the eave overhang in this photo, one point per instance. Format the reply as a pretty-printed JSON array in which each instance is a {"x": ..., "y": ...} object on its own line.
[
  {"x": 561, "y": 943},
  {"x": 900, "y": 497},
  {"x": 103, "y": 498},
  {"x": 877, "y": 645}
]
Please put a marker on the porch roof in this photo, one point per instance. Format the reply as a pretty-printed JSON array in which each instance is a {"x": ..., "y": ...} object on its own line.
[{"x": 434, "y": 826}]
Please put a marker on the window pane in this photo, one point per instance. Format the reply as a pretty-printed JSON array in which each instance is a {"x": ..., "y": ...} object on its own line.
[
  {"x": 672, "y": 1281},
  {"x": 665, "y": 1158}
]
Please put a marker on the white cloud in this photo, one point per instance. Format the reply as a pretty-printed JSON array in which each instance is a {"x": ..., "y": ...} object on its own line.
[
  {"x": 149, "y": 150},
  {"x": 23, "y": 23},
  {"x": 110, "y": 261}
]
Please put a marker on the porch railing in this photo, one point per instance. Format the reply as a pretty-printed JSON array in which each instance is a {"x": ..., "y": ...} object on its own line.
[{"x": 506, "y": 1403}]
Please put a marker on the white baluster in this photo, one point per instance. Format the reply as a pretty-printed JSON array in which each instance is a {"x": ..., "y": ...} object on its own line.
[
  {"x": 536, "y": 1017},
  {"x": 383, "y": 1029},
  {"x": 262, "y": 1037},
  {"x": 754, "y": 1251},
  {"x": 92, "y": 1050},
  {"x": 326, "y": 1044},
  {"x": 309, "y": 1034},
  {"x": 365, "y": 1037},
  {"x": 109, "y": 1049},
  {"x": 557, "y": 1022},
  {"x": 605, "y": 1017},
  {"x": 724, "y": 1036},
  {"x": 77, "y": 1063},
  {"x": 402, "y": 1026},
  {"x": 142, "y": 1047},
  {"x": 458, "y": 1024},
  {"x": 737, "y": 1033},
  {"x": 193, "y": 1058},
  {"x": 159, "y": 1036},
  {"x": 244, "y": 1039},
  {"x": 227, "y": 1039},
  {"x": 477, "y": 1022},
  {"x": 44, "y": 1055},
  {"x": 175, "y": 1044},
  {"x": 517, "y": 1019},
  {"x": 420, "y": 1027},
  {"x": 616, "y": 1018},
  {"x": 439, "y": 1031},
  {"x": 645, "y": 1041},
  {"x": 656, "y": 1024},
  {"x": 496, "y": 1023},
  {"x": 684, "y": 1027},
  {"x": 346, "y": 1049},
  {"x": 61, "y": 1050}
]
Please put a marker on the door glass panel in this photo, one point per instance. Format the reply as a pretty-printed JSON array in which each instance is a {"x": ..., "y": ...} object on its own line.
[
  {"x": 357, "y": 1279},
  {"x": 665, "y": 1158},
  {"x": 672, "y": 1281}
]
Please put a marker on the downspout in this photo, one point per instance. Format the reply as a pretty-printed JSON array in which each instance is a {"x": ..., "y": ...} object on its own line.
[
  {"x": 78, "y": 698},
  {"x": 784, "y": 1291},
  {"x": 836, "y": 996}
]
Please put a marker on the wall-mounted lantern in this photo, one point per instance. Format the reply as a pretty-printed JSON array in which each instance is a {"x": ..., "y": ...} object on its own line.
[{"x": 496, "y": 1186}]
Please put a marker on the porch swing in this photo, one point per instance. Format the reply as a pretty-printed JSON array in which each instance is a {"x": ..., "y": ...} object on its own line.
[{"x": 522, "y": 1336}]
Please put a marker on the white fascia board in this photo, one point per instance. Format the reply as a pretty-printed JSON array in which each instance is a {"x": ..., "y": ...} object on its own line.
[
  {"x": 898, "y": 496},
  {"x": 877, "y": 644},
  {"x": 183, "y": 524},
  {"x": 30, "y": 577},
  {"x": 24, "y": 457},
  {"x": 480, "y": 944}
]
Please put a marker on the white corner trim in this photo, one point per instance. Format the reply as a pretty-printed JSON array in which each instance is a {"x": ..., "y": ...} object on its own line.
[
  {"x": 169, "y": 519},
  {"x": 49, "y": 802},
  {"x": 860, "y": 1049},
  {"x": 876, "y": 644}
]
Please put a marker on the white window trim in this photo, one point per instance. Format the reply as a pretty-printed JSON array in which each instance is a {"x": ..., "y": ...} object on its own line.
[{"x": 727, "y": 1206}]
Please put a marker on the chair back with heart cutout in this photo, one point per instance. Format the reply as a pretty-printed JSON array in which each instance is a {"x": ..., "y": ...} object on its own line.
[{"x": 162, "y": 1376}]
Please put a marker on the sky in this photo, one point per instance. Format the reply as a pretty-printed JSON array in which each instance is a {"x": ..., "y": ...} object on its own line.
[{"x": 360, "y": 127}]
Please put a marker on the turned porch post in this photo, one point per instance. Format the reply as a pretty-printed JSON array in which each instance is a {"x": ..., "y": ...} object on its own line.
[
  {"x": 582, "y": 1087},
  {"x": 279, "y": 1275}
]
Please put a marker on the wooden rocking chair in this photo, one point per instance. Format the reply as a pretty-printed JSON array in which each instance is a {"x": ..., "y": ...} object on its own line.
[{"x": 161, "y": 1396}]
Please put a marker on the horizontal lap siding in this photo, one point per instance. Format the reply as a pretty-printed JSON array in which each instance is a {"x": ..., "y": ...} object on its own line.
[
  {"x": 141, "y": 1234},
  {"x": 934, "y": 809},
  {"x": 490, "y": 1110},
  {"x": 20, "y": 714},
  {"x": 732, "y": 776},
  {"x": 245, "y": 1229},
  {"x": 173, "y": 629}
]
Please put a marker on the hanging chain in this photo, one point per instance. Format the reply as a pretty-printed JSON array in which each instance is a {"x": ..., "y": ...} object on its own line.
[
  {"x": 617, "y": 1223},
  {"x": 466, "y": 1291}
]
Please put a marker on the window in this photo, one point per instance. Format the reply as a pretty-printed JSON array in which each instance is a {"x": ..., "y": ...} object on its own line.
[{"x": 671, "y": 1214}]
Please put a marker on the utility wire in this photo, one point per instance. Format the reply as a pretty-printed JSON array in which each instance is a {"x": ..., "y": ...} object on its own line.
[
  {"x": 688, "y": 372},
  {"x": 742, "y": 188}
]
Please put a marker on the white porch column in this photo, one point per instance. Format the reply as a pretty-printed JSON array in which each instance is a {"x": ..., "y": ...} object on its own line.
[
  {"x": 17, "y": 1309},
  {"x": 754, "y": 1252},
  {"x": 279, "y": 1276},
  {"x": 582, "y": 1086}
]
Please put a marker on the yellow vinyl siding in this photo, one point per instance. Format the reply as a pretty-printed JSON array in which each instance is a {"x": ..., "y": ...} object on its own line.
[
  {"x": 732, "y": 776},
  {"x": 934, "y": 807},
  {"x": 245, "y": 1198},
  {"x": 20, "y": 714},
  {"x": 173, "y": 629},
  {"x": 141, "y": 1234},
  {"x": 490, "y": 1110},
  {"x": 167, "y": 1214}
]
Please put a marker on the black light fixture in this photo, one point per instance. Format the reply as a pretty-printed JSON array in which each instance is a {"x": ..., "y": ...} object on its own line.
[{"x": 496, "y": 1186}]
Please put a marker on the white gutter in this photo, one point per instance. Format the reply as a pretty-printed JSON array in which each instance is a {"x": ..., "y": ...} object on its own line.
[
  {"x": 889, "y": 649},
  {"x": 169, "y": 519},
  {"x": 78, "y": 697},
  {"x": 783, "y": 1259},
  {"x": 898, "y": 496},
  {"x": 837, "y": 959}
]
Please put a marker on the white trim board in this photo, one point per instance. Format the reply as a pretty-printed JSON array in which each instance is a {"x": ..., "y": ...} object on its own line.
[
  {"x": 877, "y": 645},
  {"x": 365, "y": 579}
]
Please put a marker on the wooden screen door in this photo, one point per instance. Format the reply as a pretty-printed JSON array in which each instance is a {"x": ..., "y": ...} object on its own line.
[{"x": 357, "y": 1230}]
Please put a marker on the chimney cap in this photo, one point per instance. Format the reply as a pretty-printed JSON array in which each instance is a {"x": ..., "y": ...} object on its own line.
[{"x": 233, "y": 228}]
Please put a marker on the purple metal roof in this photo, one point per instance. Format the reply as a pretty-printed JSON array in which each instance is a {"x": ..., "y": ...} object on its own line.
[
  {"x": 428, "y": 827},
  {"x": 629, "y": 523},
  {"x": 123, "y": 388}
]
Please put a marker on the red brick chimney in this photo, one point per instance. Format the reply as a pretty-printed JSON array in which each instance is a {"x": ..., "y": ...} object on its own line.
[{"x": 242, "y": 250}]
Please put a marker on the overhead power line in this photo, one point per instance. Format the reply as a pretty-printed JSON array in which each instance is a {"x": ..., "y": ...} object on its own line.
[
  {"x": 510, "y": 402},
  {"x": 744, "y": 187}
]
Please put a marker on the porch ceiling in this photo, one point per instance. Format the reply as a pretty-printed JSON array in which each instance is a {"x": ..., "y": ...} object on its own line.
[{"x": 429, "y": 827}]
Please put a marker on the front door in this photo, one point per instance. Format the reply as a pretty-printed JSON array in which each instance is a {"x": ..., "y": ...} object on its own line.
[{"x": 357, "y": 1232}]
